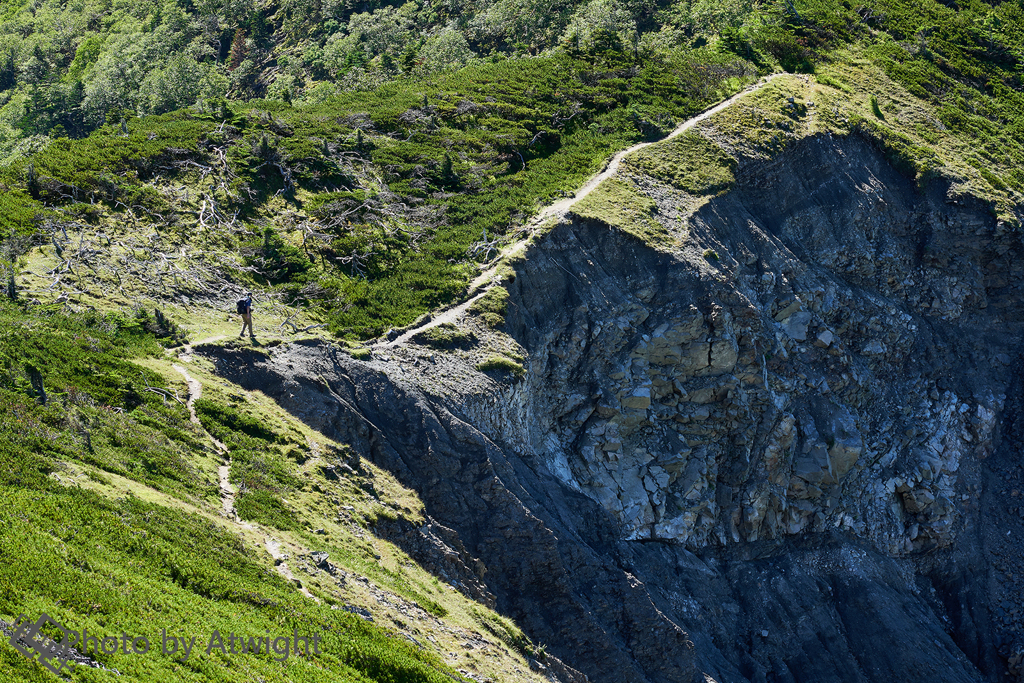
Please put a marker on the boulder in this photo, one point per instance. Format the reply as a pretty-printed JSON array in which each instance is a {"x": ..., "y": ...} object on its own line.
[
  {"x": 796, "y": 325},
  {"x": 638, "y": 399}
]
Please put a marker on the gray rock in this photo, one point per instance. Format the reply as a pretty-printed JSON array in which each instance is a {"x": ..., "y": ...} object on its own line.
[
  {"x": 824, "y": 339},
  {"x": 788, "y": 308},
  {"x": 726, "y": 450},
  {"x": 639, "y": 399},
  {"x": 796, "y": 325},
  {"x": 874, "y": 348}
]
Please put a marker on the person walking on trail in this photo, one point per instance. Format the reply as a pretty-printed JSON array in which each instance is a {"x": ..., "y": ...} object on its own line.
[{"x": 245, "y": 310}]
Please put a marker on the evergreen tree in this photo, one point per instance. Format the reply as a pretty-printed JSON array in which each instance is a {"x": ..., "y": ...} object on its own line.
[
  {"x": 31, "y": 182},
  {"x": 447, "y": 172},
  {"x": 238, "y": 50},
  {"x": 409, "y": 58}
]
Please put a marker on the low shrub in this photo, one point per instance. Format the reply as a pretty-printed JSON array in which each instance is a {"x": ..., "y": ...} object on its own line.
[
  {"x": 491, "y": 307},
  {"x": 446, "y": 336},
  {"x": 501, "y": 364},
  {"x": 264, "y": 507}
]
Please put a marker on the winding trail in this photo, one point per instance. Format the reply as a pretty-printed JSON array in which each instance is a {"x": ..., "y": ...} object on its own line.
[
  {"x": 486, "y": 280},
  {"x": 227, "y": 491},
  {"x": 274, "y": 548},
  {"x": 195, "y": 390},
  {"x": 559, "y": 209}
]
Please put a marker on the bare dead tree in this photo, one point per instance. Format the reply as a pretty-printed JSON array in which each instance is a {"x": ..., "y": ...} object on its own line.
[{"x": 295, "y": 328}]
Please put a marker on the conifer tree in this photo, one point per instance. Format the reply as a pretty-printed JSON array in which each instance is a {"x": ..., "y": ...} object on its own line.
[{"x": 238, "y": 50}]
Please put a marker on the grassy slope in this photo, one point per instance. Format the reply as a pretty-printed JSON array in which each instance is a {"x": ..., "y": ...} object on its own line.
[
  {"x": 850, "y": 96},
  {"x": 112, "y": 523},
  {"x": 938, "y": 89},
  {"x": 112, "y": 492}
]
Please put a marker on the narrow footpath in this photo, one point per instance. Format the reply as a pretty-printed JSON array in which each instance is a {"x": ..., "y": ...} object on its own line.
[
  {"x": 227, "y": 491},
  {"x": 486, "y": 280}
]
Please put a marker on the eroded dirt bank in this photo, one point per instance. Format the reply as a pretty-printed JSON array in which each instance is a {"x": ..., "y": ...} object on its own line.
[{"x": 785, "y": 452}]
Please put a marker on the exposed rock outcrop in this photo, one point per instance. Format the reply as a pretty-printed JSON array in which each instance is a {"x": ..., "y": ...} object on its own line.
[
  {"x": 709, "y": 403},
  {"x": 769, "y": 465}
]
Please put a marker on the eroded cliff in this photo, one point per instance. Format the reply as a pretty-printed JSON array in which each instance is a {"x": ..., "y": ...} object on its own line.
[{"x": 773, "y": 442}]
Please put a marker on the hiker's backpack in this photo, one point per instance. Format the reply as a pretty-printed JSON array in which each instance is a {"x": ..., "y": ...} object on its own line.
[{"x": 243, "y": 306}]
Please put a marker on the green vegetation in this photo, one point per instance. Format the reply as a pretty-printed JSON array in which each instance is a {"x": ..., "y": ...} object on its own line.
[
  {"x": 912, "y": 159},
  {"x": 491, "y": 307},
  {"x": 766, "y": 122},
  {"x": 875, "y": 109},
  {"x": 132, "y": 545},
  {"x": 71, "y": 392},
  {"x": 446, "y": 336},
  {"x": 109, "y": 566},
  {"x": 258, "y": 462},
  {"x": 689, "y": 161},
  {"x": 394, "y": 163},
  {"x": 263, "y": 506},
  {"x": 358, "y": 167},
  {"x": 501, "y": 364},
  {"x": 224, "y": 421},
  {"x": 620, "y": 205},
  {"x": 966, "y": 62},
  {"x": 395, "y": 191},
  {"x": 506, "y": 630},
  {"x": 361, "y": 353},
  {"x": 18, "y": 212}
]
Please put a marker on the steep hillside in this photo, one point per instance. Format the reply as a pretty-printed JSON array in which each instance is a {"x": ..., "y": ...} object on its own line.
[
  {"x": 365, "y": 211},
  {"x": 766, "y": 436},
  {"x": 543, "y": 385},
  {"x": 143, "y": 495}
]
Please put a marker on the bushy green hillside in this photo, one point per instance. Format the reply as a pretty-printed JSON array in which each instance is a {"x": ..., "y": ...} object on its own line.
[
  {"x": 111, "y": 523},
  {"x": 355, "y": 164},
  {"x": 392, "y": 195},
  {"x": 65, "y": 68},
  {"x": 388, "y": 161}
]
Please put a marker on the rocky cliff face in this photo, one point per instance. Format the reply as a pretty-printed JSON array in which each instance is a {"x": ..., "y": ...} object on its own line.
[
  {"x": 784, "y": 451},
  {"x": 831, "y": 363}
]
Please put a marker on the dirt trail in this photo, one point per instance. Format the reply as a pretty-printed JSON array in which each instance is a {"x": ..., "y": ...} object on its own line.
[
  {"x": 274, "y": 548},
  {"x": 227, "y": 491},
  {"x": 195, "y": 390},
  {"x": 483, "y": 282},
  {"x": 559, "y": 209}
]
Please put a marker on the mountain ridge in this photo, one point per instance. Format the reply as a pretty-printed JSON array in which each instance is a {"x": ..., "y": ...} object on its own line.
[{"x": 755, "y": 390}]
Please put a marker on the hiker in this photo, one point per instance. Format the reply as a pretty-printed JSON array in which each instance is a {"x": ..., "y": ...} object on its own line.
[{"x": 244, "y": 307}]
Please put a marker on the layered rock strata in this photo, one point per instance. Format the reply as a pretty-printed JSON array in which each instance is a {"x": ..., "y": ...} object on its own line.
[{"x": 762, "y": 456}]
